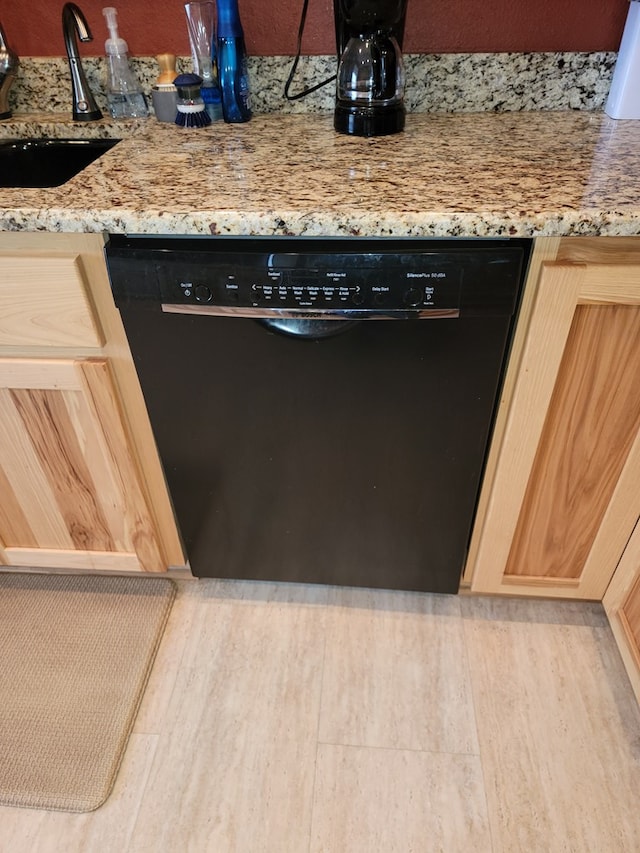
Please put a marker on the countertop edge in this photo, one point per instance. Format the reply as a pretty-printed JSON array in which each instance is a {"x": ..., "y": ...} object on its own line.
[{"x": 471, "y": 175}]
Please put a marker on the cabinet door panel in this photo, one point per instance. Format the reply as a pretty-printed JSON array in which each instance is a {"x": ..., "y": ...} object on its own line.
[
  {"x": 72, "y": 487},
  {"x": 29, "y": 488},
  {"x": 589, "y": 430},
  {"x": 563, "y": 500},
  {"x": 45, "y": 302},
  {"x": 14, "y": 524},
  {"x": 51, "y": 424}
]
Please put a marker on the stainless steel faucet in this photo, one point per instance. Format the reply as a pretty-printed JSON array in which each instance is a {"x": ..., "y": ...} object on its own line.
[
  {"x": 8, "y": 64},
  {"x": 74, "y": 22}
]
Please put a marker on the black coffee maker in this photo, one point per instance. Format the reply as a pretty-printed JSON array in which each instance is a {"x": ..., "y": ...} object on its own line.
[{"x": 370, "y": 78}]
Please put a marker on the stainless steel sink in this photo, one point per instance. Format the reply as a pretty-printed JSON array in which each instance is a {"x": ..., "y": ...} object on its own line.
[{"x": 47, "y": 162}]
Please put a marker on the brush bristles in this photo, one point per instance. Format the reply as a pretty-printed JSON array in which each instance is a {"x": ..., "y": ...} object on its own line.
[{"x": 199, "y": 119}]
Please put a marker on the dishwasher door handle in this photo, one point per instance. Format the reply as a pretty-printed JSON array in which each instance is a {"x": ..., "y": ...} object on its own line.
[{"x": 330, "y": 314}]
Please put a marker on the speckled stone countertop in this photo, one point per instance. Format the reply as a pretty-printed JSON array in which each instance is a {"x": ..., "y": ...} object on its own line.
[{"x": 484, "y": 174}]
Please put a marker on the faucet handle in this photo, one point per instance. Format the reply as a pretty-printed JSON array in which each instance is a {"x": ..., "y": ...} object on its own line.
[{"x": 8, "y": 64}]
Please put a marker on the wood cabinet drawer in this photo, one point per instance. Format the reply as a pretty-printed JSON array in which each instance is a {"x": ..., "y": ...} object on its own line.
[{"x": 44, "y": 301}]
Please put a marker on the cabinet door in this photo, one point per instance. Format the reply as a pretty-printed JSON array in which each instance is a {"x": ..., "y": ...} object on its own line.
[
  {"x": 565, "y": 494},
  {"x": 622, "y": 603},
  {"x": 71, "y": 495}
]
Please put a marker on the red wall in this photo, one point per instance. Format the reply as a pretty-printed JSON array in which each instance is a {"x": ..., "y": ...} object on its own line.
[{"x": 433, "y": 26}]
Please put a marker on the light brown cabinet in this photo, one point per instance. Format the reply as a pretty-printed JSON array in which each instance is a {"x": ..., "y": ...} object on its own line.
[
  {"x": 622, "y": 603},
  {"x": 561, "y": 496},
  {"x": 81, "y": 483},
  {"x": 71, "y": 492}
]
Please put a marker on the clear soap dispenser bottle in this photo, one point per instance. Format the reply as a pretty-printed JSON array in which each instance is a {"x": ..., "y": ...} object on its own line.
[{"x": 124, "y": 93}]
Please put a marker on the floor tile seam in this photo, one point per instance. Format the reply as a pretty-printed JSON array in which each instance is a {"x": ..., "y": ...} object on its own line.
[
  {"x": 130, "y": 846},
  {"x": 168, "y": 703},
  {"x": 484, "y": 770},
  {"x": 318, "y": 742},
  {"x": 417, "y": 750}
]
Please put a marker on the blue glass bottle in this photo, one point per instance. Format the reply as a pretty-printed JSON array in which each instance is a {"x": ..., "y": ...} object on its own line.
[{"x": 232, "y": 63}]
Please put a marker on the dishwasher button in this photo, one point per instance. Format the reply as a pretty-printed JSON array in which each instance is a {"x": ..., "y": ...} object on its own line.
[
  {"x": 413, "y": 297},
  {"x": 203, "y": 294}
]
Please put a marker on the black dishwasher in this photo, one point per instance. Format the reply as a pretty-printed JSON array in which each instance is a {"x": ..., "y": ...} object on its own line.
[{"x": 322, "y": 407}]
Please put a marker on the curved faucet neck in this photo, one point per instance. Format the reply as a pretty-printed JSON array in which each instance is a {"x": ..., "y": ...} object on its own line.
[
  {"x": 74, "y": 21},
  {"x": 74, "y": 24}
]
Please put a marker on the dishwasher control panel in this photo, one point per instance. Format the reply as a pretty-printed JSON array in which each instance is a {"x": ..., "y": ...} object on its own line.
[
  {"x": 316, "y": 282},
  {"x": 404, "y": 277}
]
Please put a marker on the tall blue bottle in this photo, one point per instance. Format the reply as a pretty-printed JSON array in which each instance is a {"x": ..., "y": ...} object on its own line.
[{"x": 232, "y": 63}]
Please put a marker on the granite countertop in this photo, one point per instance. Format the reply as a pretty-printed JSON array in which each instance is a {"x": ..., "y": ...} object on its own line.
[{"x": 478, "y": 174}]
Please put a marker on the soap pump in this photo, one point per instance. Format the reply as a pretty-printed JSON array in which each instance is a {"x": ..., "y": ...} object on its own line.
[{"x": 124, "y": 94}]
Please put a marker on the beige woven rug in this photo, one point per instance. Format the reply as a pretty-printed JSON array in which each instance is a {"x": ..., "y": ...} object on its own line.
[{"x": 75, "y": 655}]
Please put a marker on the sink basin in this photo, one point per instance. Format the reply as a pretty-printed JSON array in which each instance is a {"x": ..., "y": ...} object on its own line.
[{"x": 47, "y": 162}]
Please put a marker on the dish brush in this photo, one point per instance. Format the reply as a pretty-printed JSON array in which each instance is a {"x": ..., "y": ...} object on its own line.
[{"x": 191, "y": 108}]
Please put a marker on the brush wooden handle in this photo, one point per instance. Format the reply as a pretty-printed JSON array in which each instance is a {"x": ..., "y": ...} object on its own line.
[{"x": 167, "y": 63}]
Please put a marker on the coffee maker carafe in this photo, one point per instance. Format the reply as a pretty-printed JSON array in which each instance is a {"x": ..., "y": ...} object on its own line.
[{"x": 370, "y": 78}]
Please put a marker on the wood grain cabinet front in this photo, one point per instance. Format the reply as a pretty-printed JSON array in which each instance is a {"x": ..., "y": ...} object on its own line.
[
  {"x": 622, "y": 603},
  {"x": 81, "y": 483},
  {"x": 71, "y": 494},
  {"x": 565, "y": 494},
  {"x": 45, "y": 301}
]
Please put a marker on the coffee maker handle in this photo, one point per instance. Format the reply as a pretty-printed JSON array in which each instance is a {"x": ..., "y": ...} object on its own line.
[{"x": 384, "y": 62}]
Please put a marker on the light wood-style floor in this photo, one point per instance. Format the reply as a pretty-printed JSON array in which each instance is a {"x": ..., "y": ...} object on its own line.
[{"x": 291, "y": 718}]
